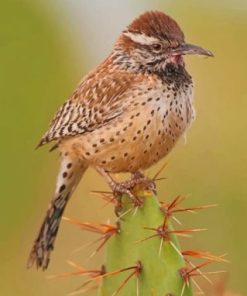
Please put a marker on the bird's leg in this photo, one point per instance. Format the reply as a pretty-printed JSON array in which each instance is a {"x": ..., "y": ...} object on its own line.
[
  {"x": 138, "y": 178},
  {"x": 120, "y": 188},
  {"x": 137, "y": 175}
]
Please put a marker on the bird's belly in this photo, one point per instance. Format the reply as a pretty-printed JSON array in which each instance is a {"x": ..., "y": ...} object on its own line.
[
  {"x": 136, "y": 157},
  {"x": 135, "y": 151},
  {"x": 140, "y": 138}
]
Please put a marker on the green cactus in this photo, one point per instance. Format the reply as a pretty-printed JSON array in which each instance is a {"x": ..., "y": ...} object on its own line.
[
  {"x": 154, "y": 261},
  {"x": 143, "y": 255}
]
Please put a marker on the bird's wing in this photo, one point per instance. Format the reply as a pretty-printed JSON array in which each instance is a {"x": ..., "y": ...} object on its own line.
[{"x": 98, "y": 99}]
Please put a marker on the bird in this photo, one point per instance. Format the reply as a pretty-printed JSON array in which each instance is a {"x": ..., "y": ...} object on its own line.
[{"x": 123, "y": 117}]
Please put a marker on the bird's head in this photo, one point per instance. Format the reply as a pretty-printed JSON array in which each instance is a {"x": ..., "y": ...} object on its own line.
[{"x": 154, "y": 40}]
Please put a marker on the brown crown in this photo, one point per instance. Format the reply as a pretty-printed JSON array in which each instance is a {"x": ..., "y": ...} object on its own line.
[{"x": 157, "y": 24}]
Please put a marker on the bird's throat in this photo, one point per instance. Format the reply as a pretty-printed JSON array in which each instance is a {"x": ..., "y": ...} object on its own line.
[{"x": 174, "y": 73}]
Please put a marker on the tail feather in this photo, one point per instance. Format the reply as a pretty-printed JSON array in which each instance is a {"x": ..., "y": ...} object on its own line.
[{"x": 69, "y": 176}]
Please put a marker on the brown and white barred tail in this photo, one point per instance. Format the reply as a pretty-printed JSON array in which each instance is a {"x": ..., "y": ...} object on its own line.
[{"x": 69, "y": 175}]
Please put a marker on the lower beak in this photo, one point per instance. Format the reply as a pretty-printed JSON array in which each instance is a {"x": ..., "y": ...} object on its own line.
[{"x": 186, "y": 48}]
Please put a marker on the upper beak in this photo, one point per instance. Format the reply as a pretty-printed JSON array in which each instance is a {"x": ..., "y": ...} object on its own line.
[{"x": 186, "y": 48}]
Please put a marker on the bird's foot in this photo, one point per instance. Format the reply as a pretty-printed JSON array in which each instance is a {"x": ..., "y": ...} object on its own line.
[
  {"x": 121, "y": 188},
  {"x": 138, "y": 180}
]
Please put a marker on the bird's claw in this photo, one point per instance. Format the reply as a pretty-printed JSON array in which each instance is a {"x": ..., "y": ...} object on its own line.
[
  {"x": 128, "y": 188},
  {"x": 125, "y": 188}
]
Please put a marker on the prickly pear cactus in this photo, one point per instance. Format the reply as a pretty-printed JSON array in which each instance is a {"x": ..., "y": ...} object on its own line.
[{"x": 144, "y": 255}]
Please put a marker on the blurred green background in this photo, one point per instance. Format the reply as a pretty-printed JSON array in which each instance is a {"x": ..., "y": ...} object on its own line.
[{"x": 45, "y": 48}]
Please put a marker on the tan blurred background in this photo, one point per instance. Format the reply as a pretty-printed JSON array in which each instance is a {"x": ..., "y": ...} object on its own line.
[{"x": 45, "y": 48}]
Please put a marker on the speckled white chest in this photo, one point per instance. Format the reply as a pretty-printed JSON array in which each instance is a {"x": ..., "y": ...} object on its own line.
[{"x": 154, "y": 120}]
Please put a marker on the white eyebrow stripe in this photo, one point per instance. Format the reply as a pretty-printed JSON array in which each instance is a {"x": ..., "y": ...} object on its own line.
[{"x": 141, "y": 38}]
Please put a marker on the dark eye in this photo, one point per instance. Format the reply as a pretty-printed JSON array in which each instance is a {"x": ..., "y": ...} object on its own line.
[{"x": 157, "y": 47}]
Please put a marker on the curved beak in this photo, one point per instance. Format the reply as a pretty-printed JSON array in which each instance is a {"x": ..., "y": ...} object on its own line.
[{"x": 186, "y": 48}]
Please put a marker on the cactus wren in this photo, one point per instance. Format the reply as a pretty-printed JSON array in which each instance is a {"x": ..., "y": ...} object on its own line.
[{"x": 124, "y": 116}]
